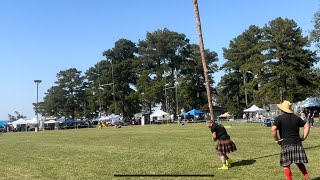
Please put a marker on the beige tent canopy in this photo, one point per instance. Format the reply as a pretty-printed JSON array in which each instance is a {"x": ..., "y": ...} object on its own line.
[{"x": 225, "y": 115}]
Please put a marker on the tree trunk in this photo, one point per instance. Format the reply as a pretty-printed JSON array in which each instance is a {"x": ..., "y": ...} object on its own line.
[
  {"x": 245, "y": 90},
  {"x": 204, "y": 63}
]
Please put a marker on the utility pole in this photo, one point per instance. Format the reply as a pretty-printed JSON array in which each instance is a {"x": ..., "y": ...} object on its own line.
[
  {"x": 204, "y": 63},
  {"x": 114, "y": 95},
  {"x": 177, "y": 104},
  {"x": 37, "y": 109},
  {"x": 99, "y": 94}
]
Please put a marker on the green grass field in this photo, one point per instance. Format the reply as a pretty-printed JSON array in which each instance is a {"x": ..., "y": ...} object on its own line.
[{"x": 153, "y": 149}]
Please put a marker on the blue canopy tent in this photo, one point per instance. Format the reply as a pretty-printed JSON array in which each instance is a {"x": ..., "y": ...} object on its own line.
[
  {"x": 3, "y": 123},
  {"x": 194, "y": 112}
]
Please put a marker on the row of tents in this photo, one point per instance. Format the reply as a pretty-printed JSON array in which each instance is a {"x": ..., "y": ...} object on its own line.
[
  {"x": 20, "y": 121},
  {"x": 161, "y": 115},
  {"x": 112, "y": 117},
  {"x": 297, "y": 107},
  {"x": 33, "y": 122},
  {"x": 311, "y": 102}
]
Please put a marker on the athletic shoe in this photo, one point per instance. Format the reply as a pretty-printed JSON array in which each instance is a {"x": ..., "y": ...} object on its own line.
[
  {"x": 224, "y": 167},
  {"x": 228, "y": 162}
]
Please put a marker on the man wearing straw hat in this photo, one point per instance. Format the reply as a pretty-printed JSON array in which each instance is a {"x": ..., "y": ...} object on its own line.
[{"x": 292, "y": 151}]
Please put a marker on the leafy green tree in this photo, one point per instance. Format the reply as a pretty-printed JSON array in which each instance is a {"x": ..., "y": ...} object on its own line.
[
  {"x": 121, "y": 58},
  {"x": 148, "y": 90},
  {"x": 229, "y": 93},
  {"x": 315, "y": 33},
  {"x": 38, "y": 107},
  {"x": 98, "y": 95},
  {"x": 287, "y": 68},
  {"x": 13, "y": 118},
  {"x": 244, "y": 60},
  {"x": 81, "y": 100},
  {"x": 161, "y": 55},
  {"x": 273, "y": 64},
  {"x": 316, "y": 72},
  {"x": 192, "y": 91},
  {"x": 54, "y": 101},
  {"x": 70, "y": 80},
  {"x": 64, "y": 98}
]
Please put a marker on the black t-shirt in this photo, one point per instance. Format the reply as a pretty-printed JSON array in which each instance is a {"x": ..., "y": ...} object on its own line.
[
  {"x": 221, "y": 132},
  {"x": 288, "y": 126}
]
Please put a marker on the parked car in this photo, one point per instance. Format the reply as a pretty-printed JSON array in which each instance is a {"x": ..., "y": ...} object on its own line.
[
  {"x": 83, "y": 123},
  {"x": 2, "y": 129},
  {"x": 68, "y": 123}
]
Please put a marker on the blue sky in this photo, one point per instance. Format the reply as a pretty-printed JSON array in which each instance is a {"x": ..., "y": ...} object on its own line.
[{"x": 38, "y": 38}]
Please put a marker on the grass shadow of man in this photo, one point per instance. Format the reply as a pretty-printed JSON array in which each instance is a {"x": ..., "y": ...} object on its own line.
[{"x": 244, "y": 162}]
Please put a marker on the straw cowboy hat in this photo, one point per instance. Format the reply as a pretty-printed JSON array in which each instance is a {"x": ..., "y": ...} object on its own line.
[{"x": 285, "y": 106}]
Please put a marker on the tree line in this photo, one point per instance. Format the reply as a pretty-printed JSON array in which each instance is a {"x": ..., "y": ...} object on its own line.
[{"x": 262, "y": 66}]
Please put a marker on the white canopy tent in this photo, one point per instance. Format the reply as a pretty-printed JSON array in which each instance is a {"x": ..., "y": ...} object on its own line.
[
  {"x": 309, "y": 102},
  {"x": 19, "y": 121},
  {"x": 51, "y": 124},
  {"x": 160, "y": 115},
  {"x": 112, "y": 117},
  {"x": 254, "y": 108},
  {"x": 115, "y": 119},
  {"x": 32, "y": 121},
  {"x": 104, "y": 118},
  {"x": 51, "y": 121}
]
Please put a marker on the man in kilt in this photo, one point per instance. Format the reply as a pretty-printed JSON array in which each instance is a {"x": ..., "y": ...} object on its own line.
[
  {"x": 292, "y": 151},
  {"x": 225, "y": 145}
]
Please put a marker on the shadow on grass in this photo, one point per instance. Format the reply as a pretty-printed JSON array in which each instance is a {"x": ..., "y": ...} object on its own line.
[
  {"x": 243, "y": 162},
  {"x": 312, "y": 147},
  {"x": 269, "y": 155},
  {"x": 317, "y": 178}
]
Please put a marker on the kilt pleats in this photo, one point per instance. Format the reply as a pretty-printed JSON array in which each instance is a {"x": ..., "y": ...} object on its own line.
[
  {"x": 292, "y": 154},
  {"x": 226, "y": 146}
]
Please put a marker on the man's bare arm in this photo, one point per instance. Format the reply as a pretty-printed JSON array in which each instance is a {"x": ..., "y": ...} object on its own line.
[
  {"x": 214, "y": 136},
  {"x": 306, "y": 131},
  {"x": 274, "y": 132}
]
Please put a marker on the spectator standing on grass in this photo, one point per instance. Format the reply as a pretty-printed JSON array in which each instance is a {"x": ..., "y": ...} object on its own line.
[
  {"x": 311, "y": 118},
  {"x": 100, "y": 124},
  {"x": 292, "y": 151},
  {"x": 225, "y": 145},
  {"x": 302, "y": 115}
]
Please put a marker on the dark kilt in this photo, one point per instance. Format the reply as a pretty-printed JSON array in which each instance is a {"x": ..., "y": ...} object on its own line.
[
  {"x": 292, "y": 154},
  {"x": 226, "y": 146}
]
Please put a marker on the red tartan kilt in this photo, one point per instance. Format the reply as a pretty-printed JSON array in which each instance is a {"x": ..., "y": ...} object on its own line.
[{"x": 226, "y": 146}]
